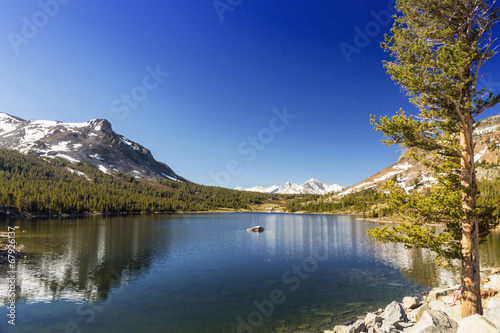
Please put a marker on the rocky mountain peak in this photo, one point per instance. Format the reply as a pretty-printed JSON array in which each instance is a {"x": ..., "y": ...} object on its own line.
[
  {"x": 102, "y": 125},
  {"x": 92, "y": 142},
  {"x": 312, "y": 186}
]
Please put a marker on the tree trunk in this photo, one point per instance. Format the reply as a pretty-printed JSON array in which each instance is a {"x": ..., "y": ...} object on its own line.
[{"x": 471, "y": 279}]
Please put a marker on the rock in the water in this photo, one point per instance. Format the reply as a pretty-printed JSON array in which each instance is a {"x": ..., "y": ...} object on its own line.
[
  {"x": 394, "y": 313},
  {"x": 257, "y": 228},
  {"x": 476, "y": 323},
  {"x": 410, "y": 302},
  {"x": 434, "y": 321}
]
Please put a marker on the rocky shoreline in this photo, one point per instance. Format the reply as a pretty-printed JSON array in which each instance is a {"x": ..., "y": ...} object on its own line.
[{"x": 433, "y": 313}]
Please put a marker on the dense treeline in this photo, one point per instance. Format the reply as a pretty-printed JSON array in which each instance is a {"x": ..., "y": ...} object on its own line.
[
  {"x": 371, "y": 203},
  {"x": 353, "y": 203},
  {"x": 55, "y": 186},
  {"x": 38, "y": 186}
]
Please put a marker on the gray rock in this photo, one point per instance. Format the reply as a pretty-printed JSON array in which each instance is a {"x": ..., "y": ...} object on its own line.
[
  {"x": 476, "y": 324},
  {"x": 371, "y": 319},
  {"x": 257, "y": 228},
  {"x": 357, "y": 327},
  {"x": 434, "y": 321},
  {"x": 492, "y": 311},
  {"x": 385, "y": 327},
  {"x": 417, "y": 313},
  {"x": 390, "y": 329},
  {"x": 495, "y": 281},
  {"x": 454, "y": 312},
  {"x": 341, "y": 329},
  {"x": 435, "y": 293},
  {"x": 402, "y": 325},
  {"x": 493, "y": 304},
  {"x": 410, "y": 302},
  {"x": 394, "y": 313}
]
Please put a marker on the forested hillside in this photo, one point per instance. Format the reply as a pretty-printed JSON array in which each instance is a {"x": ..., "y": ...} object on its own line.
[
  {"x": 41, "y": 186},
  {"x": 372, "y": 203}
]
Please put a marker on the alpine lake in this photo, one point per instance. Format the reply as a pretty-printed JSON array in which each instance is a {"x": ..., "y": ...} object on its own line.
[{"x": 206, "y": 273}]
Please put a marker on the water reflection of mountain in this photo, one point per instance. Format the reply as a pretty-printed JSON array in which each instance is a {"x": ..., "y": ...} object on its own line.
[
  {"x": 345, "y": 236},
  {"x": 83, "y": 259}
]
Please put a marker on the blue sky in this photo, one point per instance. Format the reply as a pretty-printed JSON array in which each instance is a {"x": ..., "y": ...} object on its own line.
[{"x": 230, "y": 93}]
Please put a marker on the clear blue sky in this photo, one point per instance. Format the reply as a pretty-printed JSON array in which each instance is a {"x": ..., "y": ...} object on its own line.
[{"x": 232, "y": 71}]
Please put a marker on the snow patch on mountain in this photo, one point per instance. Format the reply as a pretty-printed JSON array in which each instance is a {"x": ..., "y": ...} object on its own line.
[
  {"x": 96, "y": 157},
  {"x": 487, "y": 130},
  {"x": 397, "y": 170},
  {"x": 411, "y": 175},
  {"x": 312, "y": 186},
  {"x": 480, "y": 154},
  {"x": 79, "y": 173},
  {"x": 92, "y": 142},
  {"x": 404, "y": 166},
  {"x": 60, "y": 146},
  {"x": 103, "y": 168},
  {"x": 8, "y": 123}
]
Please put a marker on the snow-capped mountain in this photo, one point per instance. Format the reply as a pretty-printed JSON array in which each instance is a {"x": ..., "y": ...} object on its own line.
[
  {"x": 410, "y": 174},
  {"x": 92, "y": 142},
  {"x": 312, "y": 186}
]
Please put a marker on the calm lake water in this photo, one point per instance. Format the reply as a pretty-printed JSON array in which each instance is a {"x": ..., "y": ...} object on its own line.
[{"x": 206, "y": 273}]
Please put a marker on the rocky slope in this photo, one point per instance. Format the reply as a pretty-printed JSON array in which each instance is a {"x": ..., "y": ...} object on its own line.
[
  {"x": 410, "y": 174},
  {"x": 92, "y": 142},
  {"x": 312, "y": 186}
]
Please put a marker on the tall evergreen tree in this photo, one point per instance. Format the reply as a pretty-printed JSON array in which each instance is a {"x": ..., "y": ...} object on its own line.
[{"x": 439, "y": 48}]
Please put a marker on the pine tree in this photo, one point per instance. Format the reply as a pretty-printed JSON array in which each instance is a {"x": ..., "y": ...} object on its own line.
[{"x": 439, "y": 48}]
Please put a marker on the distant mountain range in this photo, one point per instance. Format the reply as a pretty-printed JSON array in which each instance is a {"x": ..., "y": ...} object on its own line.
[
  {"x": 410, "y": 174},
  {"x": 92, "y": 142},
  {"x": 312, "y": 186}
]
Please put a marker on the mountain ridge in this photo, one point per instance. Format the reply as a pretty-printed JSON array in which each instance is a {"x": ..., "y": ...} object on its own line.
[
  {"x": 311, "y": 186},
  {"x": 92, "y": 142},
  {"x": 410, "y": 174}
]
